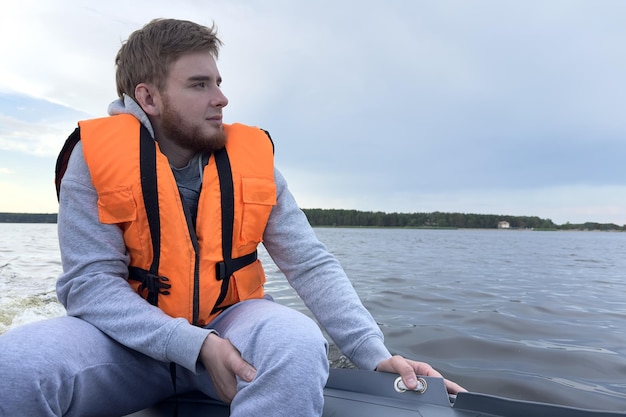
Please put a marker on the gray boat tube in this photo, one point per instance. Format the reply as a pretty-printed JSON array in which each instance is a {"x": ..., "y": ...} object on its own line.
[{"x": 357, "y": 393}]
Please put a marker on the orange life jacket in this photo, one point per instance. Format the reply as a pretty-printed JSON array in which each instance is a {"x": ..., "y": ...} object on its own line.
[{"x": 187, "y": 273}]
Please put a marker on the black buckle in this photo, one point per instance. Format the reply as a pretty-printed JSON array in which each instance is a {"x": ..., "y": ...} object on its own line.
[
  {"x": 155, "y": 284},
  {"x": 220, "y": 270}
]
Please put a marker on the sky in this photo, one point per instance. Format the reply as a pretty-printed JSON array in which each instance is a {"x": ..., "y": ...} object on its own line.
[{"x": 508, "y": 107}]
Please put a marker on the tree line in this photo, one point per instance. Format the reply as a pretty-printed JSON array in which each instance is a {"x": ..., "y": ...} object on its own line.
[
  {"x": 28, "y": 217},
  {"x": 356, "y": 218}
]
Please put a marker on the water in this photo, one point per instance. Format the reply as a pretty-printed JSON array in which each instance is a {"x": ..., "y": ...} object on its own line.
[
  {"x": 531, "y": 315},
  {"x": 29, "y": 265}
]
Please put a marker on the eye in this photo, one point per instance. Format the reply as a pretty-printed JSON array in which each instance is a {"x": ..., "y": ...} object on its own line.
[{"x": 201, "y": 84}]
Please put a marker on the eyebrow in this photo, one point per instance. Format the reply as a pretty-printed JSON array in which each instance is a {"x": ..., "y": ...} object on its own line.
[{"x": 195, "y": 78}]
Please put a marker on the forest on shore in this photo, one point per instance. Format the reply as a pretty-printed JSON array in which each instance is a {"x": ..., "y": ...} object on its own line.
[
  {"x": 28, "y": 217},
  {"x": 357, "y": 218}
]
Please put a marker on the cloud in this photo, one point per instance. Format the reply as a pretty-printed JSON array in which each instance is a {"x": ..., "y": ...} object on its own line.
[
  {"x": 34, "y": 126},
  {"x": 482, "y": 105}
]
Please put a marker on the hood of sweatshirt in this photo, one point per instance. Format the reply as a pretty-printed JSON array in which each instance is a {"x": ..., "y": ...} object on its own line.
[{"x": 127, "y": 105}]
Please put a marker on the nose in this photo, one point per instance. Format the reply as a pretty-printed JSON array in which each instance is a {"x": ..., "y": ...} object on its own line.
[{"x": 219, "y": 100}]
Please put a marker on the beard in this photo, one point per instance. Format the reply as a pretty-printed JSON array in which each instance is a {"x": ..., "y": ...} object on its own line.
[{"x": 187, "y": 135}]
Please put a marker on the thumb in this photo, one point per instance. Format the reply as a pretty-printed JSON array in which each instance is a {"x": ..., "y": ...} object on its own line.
[
  {"x": 408, "y": 377},
  {"x": 243, "y": 369}
]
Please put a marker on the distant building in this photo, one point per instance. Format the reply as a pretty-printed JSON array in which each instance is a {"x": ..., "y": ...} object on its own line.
[{"x": 503, "y": 225}]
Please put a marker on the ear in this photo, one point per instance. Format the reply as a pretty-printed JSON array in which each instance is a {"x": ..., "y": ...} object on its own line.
[{"x": 148, "y": 97}]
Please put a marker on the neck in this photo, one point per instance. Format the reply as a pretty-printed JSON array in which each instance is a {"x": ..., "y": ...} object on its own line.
[{"x": 177, "y": 156}]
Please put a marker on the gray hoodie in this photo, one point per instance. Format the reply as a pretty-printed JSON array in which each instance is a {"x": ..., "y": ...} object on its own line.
[{"x": 93, "y": 285}]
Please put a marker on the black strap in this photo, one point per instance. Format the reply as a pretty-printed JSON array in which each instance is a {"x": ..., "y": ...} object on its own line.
[
  {"x": 173, "y": 378},
  {"x": 149, "y": 187},
  {"x": 270, "y": 138},
  {"x": 227, "y": 195},
  {"x": 150, "y": 192},
  {"x": 224, "y": 269},
  {"x": 150, "y": 279},
  {"x": 64, "y": 157}
]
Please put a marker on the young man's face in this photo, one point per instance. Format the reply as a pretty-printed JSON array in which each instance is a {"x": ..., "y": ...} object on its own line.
[{"x": 192, "y": 102}]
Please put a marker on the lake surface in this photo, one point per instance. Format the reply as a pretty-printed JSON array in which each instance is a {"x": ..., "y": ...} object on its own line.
[{"x": 531, "y": 315}]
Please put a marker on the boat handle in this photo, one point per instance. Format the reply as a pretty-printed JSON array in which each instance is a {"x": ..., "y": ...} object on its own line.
[{"x": 399, "y": 386}]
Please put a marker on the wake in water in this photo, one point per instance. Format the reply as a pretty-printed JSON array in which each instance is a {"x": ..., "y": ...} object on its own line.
[{"x": 29, "y": 266}]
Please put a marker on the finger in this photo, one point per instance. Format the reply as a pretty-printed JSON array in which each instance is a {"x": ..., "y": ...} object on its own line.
[
  {"x": 453, "y": 387},
  {"x": 226, "y": 387},
  {"x": 406, "y": 371},
  {"x": 244, "y": 370},
  {"x": 427, "y": 370},
  {"x": 225, "y": 394}
]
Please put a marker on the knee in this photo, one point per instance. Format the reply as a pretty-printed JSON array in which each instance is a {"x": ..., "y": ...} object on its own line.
[
  {"x": 30, "y": 368},
  {"x": 40, "y": 361},
  {"x": 292, "y": 368},
  {"x": 303, "y": 337},
  {"x": 292, "y": 339}
]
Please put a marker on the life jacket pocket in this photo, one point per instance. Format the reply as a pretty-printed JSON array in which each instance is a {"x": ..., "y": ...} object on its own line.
[
  {"x": 249, "y": 281},
  {"x": 116, "y": 206},
  {"x": 259, "y": 196}
]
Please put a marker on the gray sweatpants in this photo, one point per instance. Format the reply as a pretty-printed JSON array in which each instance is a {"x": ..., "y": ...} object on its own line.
[{"x": 67, "y": 367}]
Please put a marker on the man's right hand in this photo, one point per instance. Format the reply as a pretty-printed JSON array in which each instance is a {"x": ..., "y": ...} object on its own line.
[{"x": 224, "y": 363}]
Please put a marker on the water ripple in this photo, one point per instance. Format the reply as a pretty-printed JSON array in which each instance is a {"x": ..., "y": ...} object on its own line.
[{"x": 528, "y": 315}]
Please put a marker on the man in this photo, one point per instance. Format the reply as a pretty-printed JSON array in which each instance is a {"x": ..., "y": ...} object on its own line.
[{"x": 161, "y": 209}]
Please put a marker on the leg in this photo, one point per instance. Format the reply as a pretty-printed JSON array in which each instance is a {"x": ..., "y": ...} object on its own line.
[
  {"x": 289, "y": 353},
  {"x": 67, "y": 367}
]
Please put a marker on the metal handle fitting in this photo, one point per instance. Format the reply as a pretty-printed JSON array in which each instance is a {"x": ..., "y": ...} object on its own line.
[{"x": 399, "y": 386}]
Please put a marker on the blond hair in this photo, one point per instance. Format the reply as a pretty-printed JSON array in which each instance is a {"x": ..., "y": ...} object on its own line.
[{"x": 148, "y": 53}]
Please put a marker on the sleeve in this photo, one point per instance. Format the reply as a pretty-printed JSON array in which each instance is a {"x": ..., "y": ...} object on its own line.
[
  {"x": 321, "y": 282},
  {"x": 94, "y": 286}
]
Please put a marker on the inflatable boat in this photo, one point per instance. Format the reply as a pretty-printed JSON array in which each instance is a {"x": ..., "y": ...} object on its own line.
[{"x": 357, "y": 393}]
